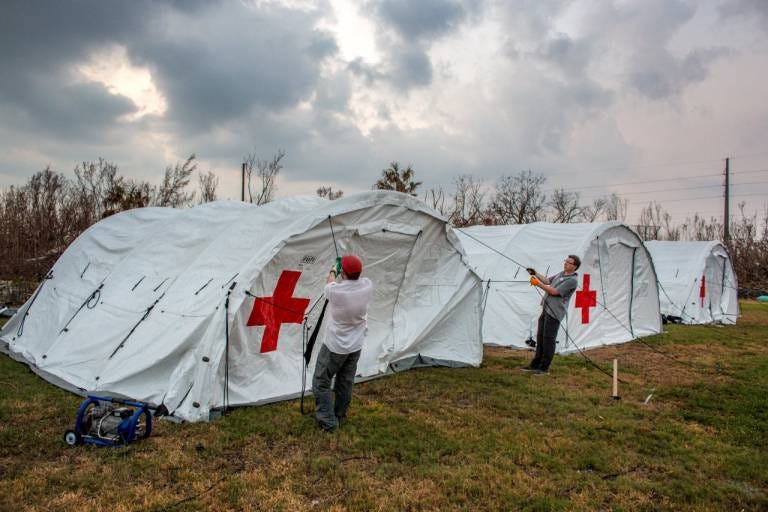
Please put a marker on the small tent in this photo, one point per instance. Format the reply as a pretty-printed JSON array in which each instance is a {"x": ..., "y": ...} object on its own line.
[
  {"x": 697, "y": 283},
  {"x": 616, "y": 300},
  {"x": 142, "y": 304}
]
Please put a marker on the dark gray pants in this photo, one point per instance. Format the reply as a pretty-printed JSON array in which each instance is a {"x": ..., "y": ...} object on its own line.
[
  {"x": 329, "y": 365},
  {"x": 546, "y": 338}
]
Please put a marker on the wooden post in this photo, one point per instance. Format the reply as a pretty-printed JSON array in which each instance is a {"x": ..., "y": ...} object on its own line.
[{"x": 616, "y": 380}]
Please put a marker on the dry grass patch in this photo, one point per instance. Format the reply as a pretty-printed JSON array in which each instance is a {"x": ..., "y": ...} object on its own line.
[{"x": 490, "y": 438}]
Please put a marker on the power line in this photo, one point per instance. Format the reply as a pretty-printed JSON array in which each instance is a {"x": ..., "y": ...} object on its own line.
[
  {"x": 638, "y": 182},
  {"x": 650, "y": 165},
  {"x": 699, "y": 176},
  {"x": 686, "y": 188},
  {"x": 750, "y": 172}
]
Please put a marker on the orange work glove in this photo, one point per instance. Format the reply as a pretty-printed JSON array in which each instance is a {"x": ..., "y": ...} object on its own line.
[{"x": 534, "y": 281}]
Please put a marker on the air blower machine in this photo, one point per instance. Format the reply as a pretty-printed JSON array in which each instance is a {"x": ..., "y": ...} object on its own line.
[{"x": 105, "y": 421}]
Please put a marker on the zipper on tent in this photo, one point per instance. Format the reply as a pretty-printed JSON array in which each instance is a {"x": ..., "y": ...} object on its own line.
[
  {"x": 161, "y": 284},
  {"x": 230, "y": 280},
  {"x": 203, "y": 287},
  {"x": 138, "y": 283},
  {"x": 400, "y": 286}
]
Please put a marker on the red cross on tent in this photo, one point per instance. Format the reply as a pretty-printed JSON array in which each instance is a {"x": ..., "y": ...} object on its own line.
[
  {"x": 702, "y": 290},
  {"x": 281, "y": 308},
  {"x": 586, "y": 299}
]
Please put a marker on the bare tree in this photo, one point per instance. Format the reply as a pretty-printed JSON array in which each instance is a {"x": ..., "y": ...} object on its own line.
[
  {"x": 519, "y": 199},
  {"x": 649, "y": 227},
  {"x": 400, "y": 180},
  {"x": 264, "y": 173},
  {"x": 172, "y": 190},
  {"x": 468, "y": 200},
  {"x": 436, "y": 199},
  {"x": 329, "y": 193},
  {"x": 565, "y": 205},
  {"x": 96, "y": 188},
  {"x": 699, "y": 228},
  {"x": 615, "y": 208},
  {"x": 208, "y": 185},
  {"x": 42, "y": 217},
  {"x": 591, "y": 212}
]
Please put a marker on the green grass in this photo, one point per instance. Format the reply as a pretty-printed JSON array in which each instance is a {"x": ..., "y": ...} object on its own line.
[{"x": 489, "y": 438}]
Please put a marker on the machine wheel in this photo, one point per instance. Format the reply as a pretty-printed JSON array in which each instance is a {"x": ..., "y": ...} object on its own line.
[{"x": 72, "y": 438}]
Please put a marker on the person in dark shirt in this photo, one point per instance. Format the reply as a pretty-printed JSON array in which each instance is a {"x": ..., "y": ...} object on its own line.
[{"x": 557, "y": 293}]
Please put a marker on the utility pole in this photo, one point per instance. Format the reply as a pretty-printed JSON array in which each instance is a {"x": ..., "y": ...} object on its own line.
[
  {"x": 726, "y": 214},
  {"x": 242, "y": 187}
]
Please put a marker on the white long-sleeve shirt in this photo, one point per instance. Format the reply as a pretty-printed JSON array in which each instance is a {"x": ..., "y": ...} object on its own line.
[{"x": 347, "y": 314}]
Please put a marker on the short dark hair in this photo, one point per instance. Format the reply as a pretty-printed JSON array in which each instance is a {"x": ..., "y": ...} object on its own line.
[
  {"x": 353, "y": 277},
  {"x": 576, "y": 260}
]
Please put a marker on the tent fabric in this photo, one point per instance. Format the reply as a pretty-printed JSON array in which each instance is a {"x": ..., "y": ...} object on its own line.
[
  {"x": 697, "y": 283},
  {"x": 139, "y": 305},
  {"x": 616, "y": 300}
]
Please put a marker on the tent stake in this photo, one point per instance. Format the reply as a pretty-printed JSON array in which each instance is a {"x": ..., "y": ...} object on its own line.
[{"x": 615, "y": 395}]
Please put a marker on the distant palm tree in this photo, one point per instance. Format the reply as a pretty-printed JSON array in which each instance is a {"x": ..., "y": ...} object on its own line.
[{"x": 401, "y": 180}]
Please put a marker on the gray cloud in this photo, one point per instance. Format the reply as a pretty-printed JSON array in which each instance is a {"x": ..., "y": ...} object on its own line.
[
  {"x": 40, "y": 42},
  {"x": 212, "y": 61},
  {"x": 750, "y": 9},
  {"x": 425, "y": 19},
  {"x": 410, "y": 67},
  {"x": 242, "y": 77},
  {"x": 220, "y": 64},
  {"x": 414, "y": 26},
  {"x": 668, "y": 77}
]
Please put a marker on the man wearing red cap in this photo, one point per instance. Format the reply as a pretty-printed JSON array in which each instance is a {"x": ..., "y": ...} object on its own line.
[{"x": 346, "y": 327}]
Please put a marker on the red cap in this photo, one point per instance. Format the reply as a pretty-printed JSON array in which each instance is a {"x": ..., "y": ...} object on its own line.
[{"x": 351, "y": 264}]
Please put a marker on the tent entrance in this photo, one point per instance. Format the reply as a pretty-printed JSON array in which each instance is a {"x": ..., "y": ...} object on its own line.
[
  {"x": 619, "y": 269},
  {"x": 715, "y": 273},
  {"x": 385, "y": 256}
]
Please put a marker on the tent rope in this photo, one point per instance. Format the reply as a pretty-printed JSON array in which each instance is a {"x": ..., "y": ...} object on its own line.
[
  {"x": 648, "y": 345},
  {"x": 133, "y": 329},
  {"x": 226, "y": 349},
  {"x": 308, "y": 344},
  {"x": 90, "y": 302},
  {"x": 20, "y": 330}
]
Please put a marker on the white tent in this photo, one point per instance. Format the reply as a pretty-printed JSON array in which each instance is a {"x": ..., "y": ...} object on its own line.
[
  {"x": 697, "y": 283},
  {"x": 136, "y": 306},
  {"x": 616, "y": 300}
]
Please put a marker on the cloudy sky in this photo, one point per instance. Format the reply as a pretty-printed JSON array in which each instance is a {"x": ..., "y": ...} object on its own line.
[{"x": 643, "y": 97}]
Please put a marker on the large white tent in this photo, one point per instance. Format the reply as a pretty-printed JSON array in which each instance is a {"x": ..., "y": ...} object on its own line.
[
  {"x": 617, "y": 298},
  {"x": 697, "y": 283},
  {"x": 140, "y": 305}
]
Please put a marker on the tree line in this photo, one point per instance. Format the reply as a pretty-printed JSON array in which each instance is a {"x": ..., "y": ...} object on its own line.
[
  {"x": 42, "y": 217},
  {"x": 520, "y": 199}
]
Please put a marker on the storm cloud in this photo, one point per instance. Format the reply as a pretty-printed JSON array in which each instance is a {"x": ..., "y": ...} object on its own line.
[{"x": 450, "y": 86}]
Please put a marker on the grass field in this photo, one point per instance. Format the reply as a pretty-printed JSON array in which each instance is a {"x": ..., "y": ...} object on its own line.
[{"x": 490, "y": 438}]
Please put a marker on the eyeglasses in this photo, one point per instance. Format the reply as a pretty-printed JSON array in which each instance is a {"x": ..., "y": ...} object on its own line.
[{"x": 570, "y": 262}]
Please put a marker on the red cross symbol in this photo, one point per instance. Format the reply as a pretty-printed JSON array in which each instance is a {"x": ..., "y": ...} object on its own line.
[
  {"x": 281, "y": 308},
  {"x": 702, "y": 290},
  {"x": 586, "y": 299}
]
